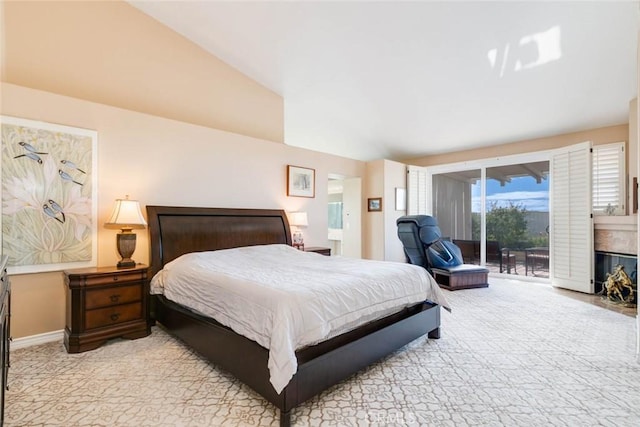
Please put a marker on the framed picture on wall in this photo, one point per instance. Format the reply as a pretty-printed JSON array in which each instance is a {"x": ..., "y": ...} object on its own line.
[
  {"x": 49, "y": 201},
  {"x": 374, "y": 204},
  {"x": 301, "y": 182}
]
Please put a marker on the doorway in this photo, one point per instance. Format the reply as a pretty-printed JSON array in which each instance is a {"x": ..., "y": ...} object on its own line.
[{"x": 345, "y": 216}]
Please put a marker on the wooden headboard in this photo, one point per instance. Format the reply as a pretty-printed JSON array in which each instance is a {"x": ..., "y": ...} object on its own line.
[{"x": 177, "y": 230}]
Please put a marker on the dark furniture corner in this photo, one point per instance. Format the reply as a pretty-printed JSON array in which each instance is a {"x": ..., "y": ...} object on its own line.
[
  {"x": 5, "y": 331},
  {"x": 470, "y": 250},
  {"x": 105, "y": 303},
  {"x": 507, "y": 260},
  {"x": 319, "y": 250},
  {"x": 536, "y": 258},
  {"x": 464, "y": 276},
  {"x": 495, "y": 254}
]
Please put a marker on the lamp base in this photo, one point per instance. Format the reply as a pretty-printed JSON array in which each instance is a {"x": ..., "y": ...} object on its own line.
[
  {"x": 126, "y": 263},
  {"x": 126, "y": 243}
]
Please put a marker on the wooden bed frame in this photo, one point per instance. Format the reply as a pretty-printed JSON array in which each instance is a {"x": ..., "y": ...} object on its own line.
[{"x": 175, "y": 231}]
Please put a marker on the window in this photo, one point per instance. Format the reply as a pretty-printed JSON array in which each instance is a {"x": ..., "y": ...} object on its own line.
[{"x": 609, "y": 195}]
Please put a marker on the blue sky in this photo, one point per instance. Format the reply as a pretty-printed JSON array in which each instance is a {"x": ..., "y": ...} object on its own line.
[{"x": 522, "y": 191}]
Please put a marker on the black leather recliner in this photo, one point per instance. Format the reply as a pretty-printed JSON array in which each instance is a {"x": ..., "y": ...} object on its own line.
[{"x": 424, "y": 246}]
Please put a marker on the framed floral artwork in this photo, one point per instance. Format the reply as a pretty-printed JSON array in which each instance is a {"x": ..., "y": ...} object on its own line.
[
  {"x": 301, "y": 182},
  {"x": 49, "y": 201}
]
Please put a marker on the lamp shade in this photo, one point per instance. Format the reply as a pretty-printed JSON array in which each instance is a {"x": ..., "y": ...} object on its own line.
[
  {"x": 126, "y": 215},
  {"x": 299, "y": 219}
]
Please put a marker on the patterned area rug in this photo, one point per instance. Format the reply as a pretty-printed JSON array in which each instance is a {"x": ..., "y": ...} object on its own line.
[{"x": 513, "y": 354}]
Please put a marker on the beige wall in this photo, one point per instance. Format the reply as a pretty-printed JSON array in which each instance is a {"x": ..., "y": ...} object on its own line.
[
  {"x": 373, "y": 222},
  {"x": 161, "y": 161},
  {"x": 597, "y": 136},
  {"x": 111, "y": 53},
  {"x": 381, "y": 238}
]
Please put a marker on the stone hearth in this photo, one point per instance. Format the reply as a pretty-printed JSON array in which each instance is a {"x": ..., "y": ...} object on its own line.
[{"x": 616, "y": 234}]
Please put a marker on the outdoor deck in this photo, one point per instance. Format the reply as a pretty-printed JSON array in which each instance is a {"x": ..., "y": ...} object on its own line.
[
  {"x": 533, "y": 262},
  {"x": 530, "y": 261}
]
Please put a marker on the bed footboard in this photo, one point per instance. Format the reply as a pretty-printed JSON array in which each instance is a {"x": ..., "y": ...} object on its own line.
[{"x": 319, "y": 367}]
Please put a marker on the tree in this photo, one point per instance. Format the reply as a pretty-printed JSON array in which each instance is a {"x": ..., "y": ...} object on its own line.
[{"x": 507, "y": 225}]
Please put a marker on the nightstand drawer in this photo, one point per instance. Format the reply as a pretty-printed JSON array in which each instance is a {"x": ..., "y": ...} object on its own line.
[
  {"x": 111, "y": 279},
  {"x": 112, "y": 296},
  {"x": 113, "y": 315}
]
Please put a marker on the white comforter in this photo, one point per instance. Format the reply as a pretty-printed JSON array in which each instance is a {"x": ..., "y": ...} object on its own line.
[{"x": 286, "y": 299}]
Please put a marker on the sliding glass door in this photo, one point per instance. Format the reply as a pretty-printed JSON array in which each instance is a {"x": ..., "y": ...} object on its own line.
[
  {"x": 517, "y": 218},
  {"x": 497, "y": 214}
]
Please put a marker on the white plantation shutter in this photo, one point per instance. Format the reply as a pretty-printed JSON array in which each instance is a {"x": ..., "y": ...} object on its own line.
[
  {"x": 416, "y": 191},
  {"x": 609, "y": 190},
  {"x": 571, "y": 228}
]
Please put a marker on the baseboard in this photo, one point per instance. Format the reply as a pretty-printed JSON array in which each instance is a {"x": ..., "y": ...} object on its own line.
[{"x": 37, "y": 339}]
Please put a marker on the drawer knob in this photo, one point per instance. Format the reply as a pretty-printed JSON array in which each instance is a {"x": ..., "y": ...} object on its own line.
[
  {"x": 115, "y": 316},
  {"x": 115, "y": 278},
  {"x": 114, "y": 298}
]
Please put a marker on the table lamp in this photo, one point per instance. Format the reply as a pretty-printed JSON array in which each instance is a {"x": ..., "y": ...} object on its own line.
[
  {"x": 298, "y": 220},
  {"x": 126, "y": 215}
]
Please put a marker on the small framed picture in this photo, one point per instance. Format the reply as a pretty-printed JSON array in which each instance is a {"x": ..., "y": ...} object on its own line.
[
  {"x": 301, "y": 182},
  {"x": 374, "y": 204}
]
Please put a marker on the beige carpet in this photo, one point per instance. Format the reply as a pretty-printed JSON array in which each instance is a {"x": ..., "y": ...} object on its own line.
[{"x": 513, "y": 354}]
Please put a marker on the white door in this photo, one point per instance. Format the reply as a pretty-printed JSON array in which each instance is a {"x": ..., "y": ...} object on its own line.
[
  {"x": 352, "y": 217},
  {"x": 571, "y": 222}
]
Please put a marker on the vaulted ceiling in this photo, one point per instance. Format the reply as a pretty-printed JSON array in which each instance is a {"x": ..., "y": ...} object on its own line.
[{"x": 396, "y": 80}]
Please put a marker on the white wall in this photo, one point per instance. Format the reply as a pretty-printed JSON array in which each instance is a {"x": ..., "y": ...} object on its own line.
[
  {"x": 636, "y": 137},
  {"x": 352, "y": 217},
  {"x": 395, "y": 176}
]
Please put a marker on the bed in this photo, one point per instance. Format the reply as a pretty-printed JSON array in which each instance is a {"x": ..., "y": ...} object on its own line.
[{"x": 176, "y": 231}]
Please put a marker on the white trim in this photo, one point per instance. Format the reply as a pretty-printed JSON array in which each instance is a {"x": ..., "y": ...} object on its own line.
[
  {"x": 37, "y": 339},
  {"x": 636, "y": 138},
  {"x": 488, "y": 162}
]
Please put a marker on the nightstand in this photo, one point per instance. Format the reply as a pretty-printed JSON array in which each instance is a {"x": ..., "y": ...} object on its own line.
[
  {"x": 318, "y": 250},
  {"x": 105, "y": 303}
]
